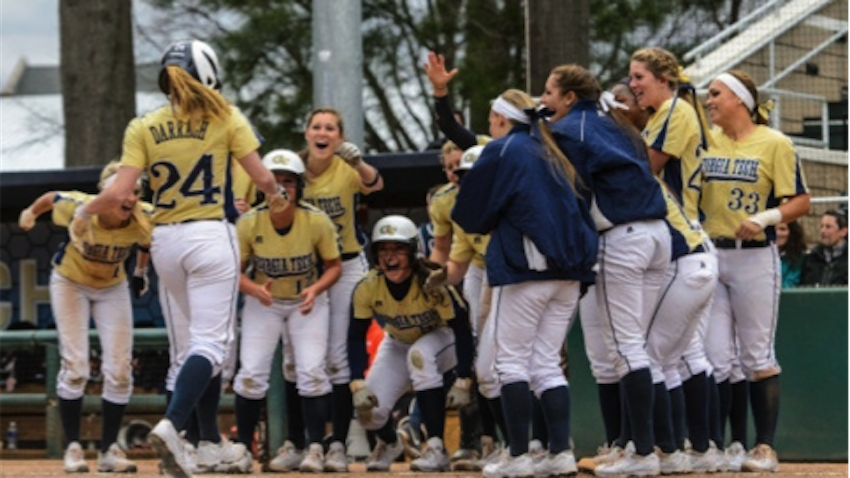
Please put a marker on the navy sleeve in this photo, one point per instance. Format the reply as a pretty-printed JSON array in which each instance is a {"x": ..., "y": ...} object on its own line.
[
  {"x": 454, "y": 131},
  {"x": 358, "y": 358},
  {"x": 464, "y": 345},
  {"x": 480, "y": 199}
]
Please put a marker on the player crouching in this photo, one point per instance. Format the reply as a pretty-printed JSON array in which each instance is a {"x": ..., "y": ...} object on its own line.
[{"x": 423, "y": 341}]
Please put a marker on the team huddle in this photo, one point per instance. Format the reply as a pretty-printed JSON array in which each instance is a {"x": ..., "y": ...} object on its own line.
[{"x": 623, "y": 205}]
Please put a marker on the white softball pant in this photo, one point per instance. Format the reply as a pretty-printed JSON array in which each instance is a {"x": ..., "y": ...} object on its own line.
[
  {"x": 398, "y": 365},
  {"x": 73, "y": 304},
  {"x": 685, "y": 300},
  {"x": 746, "y": 307},
  {"x": 597, "y": 344},
  {"x": 306, "y": 336},
  {"x": 198, "y": 262},
  {"x": 633, "y": 260},
  {"x": 472, "y": 283},
  {"x": 531, "y": 320},
  {"x": 340, "y": 302}
]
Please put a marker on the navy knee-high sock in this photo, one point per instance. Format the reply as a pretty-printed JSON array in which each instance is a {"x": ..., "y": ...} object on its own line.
[
  {"x": 764, "y": 395},
  {"x": 639, "y": 397},
  {"x": 625, "y": 420},
  {"x": 207, "y": 411},
  {"x": 539, "y": 427},
  {"x": 342, "y": 412},
  {"x": 387, "y": 433},
  {"x": 432, "y": 406},
  {"x": 679, "y": 416},
  {"x": 495, "y": 405},
  {"x": 715, "y": 424},
  {"x": 739, "y": 411},
  {"x": 70, "y": 412},
  {"x": 662, "y": 419},
  {"x": 294, "y": 417},
  {"x": 111, "y": 416},
  {"x": 696, "y": 395},
  {"x": 516, "y": 405},
  {"x": 724, "y": 391},
  {"x": 315, "y": 411},
  {"x": 192, "y": 381},
  {"x": 247, "y": 416},
  {"x": 470, "y": 425},
  {"x": 609, "y": 404},
  {"x": 485, "y": 415},
  {"x": 555, "y": 404}
]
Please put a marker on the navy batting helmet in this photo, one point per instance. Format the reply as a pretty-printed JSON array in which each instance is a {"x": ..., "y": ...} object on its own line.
[{"x": 195, "y": 58}]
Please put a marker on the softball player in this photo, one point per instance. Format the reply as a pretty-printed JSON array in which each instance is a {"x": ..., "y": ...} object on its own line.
[
  {"x": 745, "y": 176},
  {"x": 466, "y": 263},
  {"x": 440, "y": 209},
  {"x": 335, "y": 177},
  {"x": 535, "y": 263},
  {"x": 427, "y": 332},
  {"x": 673, "y": 134},
  {"x": 287, "y": 296},
  {"x": 88, "y": 280},
  {"x": 186, "y": 149},
  {"x": 628, "y": 209}
]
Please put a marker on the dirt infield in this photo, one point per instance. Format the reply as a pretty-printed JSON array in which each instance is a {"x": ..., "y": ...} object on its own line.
[{"x": 148, "y": 469}]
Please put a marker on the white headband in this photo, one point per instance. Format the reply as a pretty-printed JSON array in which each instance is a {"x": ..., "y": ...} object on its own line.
[
  {"x": 607, "y": 102},
  {"x": 738, "y": 88},
  {"x": 509, "y": 111}
]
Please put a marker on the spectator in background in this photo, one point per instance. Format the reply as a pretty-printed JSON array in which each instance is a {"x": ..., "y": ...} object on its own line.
[
  {"x": 791, "y": 241},
  {"x": 826, "y": 263}
]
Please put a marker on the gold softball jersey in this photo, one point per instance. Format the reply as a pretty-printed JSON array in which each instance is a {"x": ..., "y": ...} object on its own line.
[
  {"x": 440, "y": 210},
  {"x": 468, "y": 247}
]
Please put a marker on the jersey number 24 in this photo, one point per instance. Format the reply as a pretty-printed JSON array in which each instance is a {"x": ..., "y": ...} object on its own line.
[{"x": 203, "y": 170}]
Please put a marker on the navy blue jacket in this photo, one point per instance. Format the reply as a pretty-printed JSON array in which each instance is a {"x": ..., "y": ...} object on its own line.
[
  {"x": 538, "y": 229},
  {"x": 609, "y": 164}
]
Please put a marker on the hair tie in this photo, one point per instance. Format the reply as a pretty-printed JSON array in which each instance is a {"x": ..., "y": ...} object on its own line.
[
  {"x": 683, "y": 77},
  {"x": 765, "y": 107}
]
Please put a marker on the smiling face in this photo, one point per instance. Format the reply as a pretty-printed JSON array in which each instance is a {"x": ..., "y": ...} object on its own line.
[
  {"x": 634, "y": 114},
  {"x": 451, "y": 160},
  {"x": 831, "y": 232},
  {"x": 650, "y": 90},
  {"x": 722, "y": 105},
  {"x": 323, "y": 135},
  {"x": 781, "y": 234},
  {"x": 394, "y": 261},
  {"x": 553, "y": 99}
]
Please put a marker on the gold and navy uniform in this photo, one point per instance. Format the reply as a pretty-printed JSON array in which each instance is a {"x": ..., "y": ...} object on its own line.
[
  {"x": 742, "y": 178},
  {"x": 290, "y": 260},
  {"x": 687, "y": 236},
  {"x": 188, "y": 162},
  {"x": 675, "y": 130},
  {"x": 440, "y": 210},
  {"x": 406, "y": 320},
  {"x": 335, "y": 192},
  {"x": 468, "y": 247},
  {"x": 98, "y": 264}
]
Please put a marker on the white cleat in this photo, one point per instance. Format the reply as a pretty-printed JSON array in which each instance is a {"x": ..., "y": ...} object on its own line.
[
  {"x": 114, "y": 461},
  {"x": 556, "y": 466},
  {"x": 336, "y": 459},
  {"x": 630, "y": 464},
  {"x": 75, "y": 459},
  {"x": 675, "y": 463},
  {"x": 219, "y": 457},
  {"x": 314, "y": 460},
  {"x": 434, "y": 459},
  {"x": 762, "y": 458},
  {"x": 171, "y": 449},
  {"x": 711, "y": 460},
  {"x": 384, "y": 455},
  {"x": 288, "y": 458},
  {"x": 735, "y": 456},
  {"x": 536, "y": 450},
  {"x": 511, "y": 467}
]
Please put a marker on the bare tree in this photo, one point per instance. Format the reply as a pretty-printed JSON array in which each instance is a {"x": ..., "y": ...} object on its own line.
[{"x": 98, "y": 78}]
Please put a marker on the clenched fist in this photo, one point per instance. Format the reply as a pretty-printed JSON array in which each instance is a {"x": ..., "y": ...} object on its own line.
[{"x": 350, "y": 153}]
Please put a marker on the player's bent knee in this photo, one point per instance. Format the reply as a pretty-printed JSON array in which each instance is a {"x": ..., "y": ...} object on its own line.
[{"x": 250, "y": 387}]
